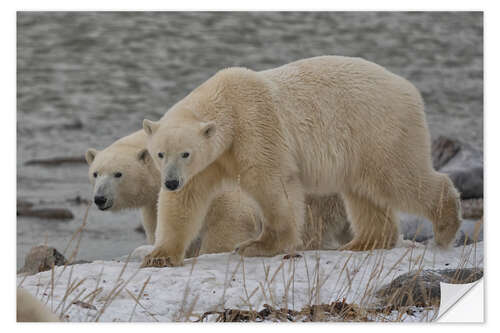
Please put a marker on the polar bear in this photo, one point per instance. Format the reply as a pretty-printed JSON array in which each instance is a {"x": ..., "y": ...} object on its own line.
[
  {"x": 322, "y": 125},
  {"x": 124, "y": 177},
  {"x": 30, "y": 309}
]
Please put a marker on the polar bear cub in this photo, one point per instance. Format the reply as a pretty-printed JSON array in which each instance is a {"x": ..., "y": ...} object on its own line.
[{"x": 319, "y": 126}]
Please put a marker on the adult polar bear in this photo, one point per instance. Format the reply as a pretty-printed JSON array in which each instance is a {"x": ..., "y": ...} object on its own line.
[{"x": 322, "y": 125}]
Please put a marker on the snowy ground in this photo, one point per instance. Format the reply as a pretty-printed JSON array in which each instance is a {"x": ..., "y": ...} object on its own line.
[{"x": 120, "y": 291}]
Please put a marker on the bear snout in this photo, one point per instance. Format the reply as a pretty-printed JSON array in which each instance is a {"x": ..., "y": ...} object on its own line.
[
  {"x": 100, "y": 200},
  {"x": 172, "y": 184}
]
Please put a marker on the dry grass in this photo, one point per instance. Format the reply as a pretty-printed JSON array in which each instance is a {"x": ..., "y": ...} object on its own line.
[
  {"x": 279, "y": 305},
  {"x": 83, "y": 298},
  {"x": 372, "y": 268}
]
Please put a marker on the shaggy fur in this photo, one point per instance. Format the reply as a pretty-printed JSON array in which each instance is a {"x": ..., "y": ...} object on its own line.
[
  {"x": 321, "y": 125},
  {"x": 30, "y": 309}
]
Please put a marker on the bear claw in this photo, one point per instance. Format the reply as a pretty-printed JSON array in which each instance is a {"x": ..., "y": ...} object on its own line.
[{"x": 154, "y": 261}]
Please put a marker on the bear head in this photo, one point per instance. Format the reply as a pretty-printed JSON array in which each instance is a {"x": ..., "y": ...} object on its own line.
[
  {"x": 123, "y": 177},
  {"x": 181, "y": 150}
]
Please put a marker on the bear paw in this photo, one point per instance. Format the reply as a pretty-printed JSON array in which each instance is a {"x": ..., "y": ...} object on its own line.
[{"x": 159, "y": 258}]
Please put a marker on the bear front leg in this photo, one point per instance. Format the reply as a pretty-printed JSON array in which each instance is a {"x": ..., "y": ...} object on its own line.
[
  {"x": 149, "y": 217},
  {"x": 176, "y": 227},
  {"x": 283, "y": 207}
]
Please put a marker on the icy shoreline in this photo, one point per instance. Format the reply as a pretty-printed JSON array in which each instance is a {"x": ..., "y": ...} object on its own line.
[{"x": 105, "y": 290}]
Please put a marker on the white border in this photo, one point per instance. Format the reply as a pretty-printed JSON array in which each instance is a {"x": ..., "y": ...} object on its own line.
[{"x": 8, "y": 123}]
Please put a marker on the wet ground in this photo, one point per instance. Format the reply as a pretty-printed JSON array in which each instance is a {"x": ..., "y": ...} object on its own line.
[{"x": 87, "y": 79}]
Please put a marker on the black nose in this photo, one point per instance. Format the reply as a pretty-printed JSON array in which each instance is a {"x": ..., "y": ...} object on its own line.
[
  {"x": 172, "y": 184},
  {"x": 99, "y": 200}
]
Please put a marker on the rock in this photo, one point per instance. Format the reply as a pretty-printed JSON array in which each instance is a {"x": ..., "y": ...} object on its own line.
[
  {"x": 46, "y": 213},
  {"x": 443, "y": 149},
  {"x": 42, "y": 258},
  {"x": 140, "y": 229},
  {"x": 422, "y": 288},
  {"x": 472, "y": 208},
  {"x": 469, "y": 182},
  {"x": 462, "y": 162},
  {"x": 23, "y": 204},
  {"x": 78, "y": 200},
  {"x": 57, "y": 161},
  {"x": 76, "y": 124}
]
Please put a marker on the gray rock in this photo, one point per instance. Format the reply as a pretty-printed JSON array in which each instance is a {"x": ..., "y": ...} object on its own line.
[
  {"x": 463, "y": 162},
  {"x": 472, "y": 209},
  {"x": 57, "y": 161},
  {"x": 443, "y": 149},
  {"x": 42, "y": 258},
  {"x": 469, "y": 182},
  {"x": 23, "y": 204},
  {"x": 422, "y": 288},
  {"x": 78, "y": 200},
  {"x": 46, "y": 213},
  {"x": 140, "y": 229}
]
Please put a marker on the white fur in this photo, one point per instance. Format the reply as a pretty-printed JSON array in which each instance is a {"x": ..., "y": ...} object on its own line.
[{"x": 316, "y": 126}]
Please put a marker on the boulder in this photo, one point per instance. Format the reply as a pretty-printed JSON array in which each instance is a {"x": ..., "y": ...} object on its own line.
[
  {"x": 42, "y": 258},
  {"x": 422, "y": 288},
  {"x": 463, "y": 162},
  {"x": 443, "y": 149}
]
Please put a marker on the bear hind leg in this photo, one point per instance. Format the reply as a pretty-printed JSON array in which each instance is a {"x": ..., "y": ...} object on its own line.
[
  {"x": 283, "y": 219},
  {"x": 374, "y": 227}
]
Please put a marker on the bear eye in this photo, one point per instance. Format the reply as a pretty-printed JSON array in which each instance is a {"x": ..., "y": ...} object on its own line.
[
  {"x": 160, "y": 155},
  {"x": 95, "y": 174},
  {"x": 185, "y": 154},
  {"x": 118, "y": 174}
]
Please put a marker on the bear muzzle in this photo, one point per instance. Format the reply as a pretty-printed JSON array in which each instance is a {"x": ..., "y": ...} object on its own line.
[
  {"x": 172, "y": 184},
  {"x": 101, "y": 202}
]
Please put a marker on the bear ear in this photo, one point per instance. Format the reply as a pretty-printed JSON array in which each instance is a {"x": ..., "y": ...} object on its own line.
[
  {"x": 143, "y": 156},
  {"x": 150, "y": 126},
  {"x": 90, "y": 155},
  {"x": 207, "y": 129}
]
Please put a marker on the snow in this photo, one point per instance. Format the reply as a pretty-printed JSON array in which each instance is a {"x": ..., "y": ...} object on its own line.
[{"x": 106, "y": 289}]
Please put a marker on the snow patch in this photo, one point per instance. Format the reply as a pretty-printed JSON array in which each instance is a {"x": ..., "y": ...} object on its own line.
[{"x": 122, "y": 291}]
